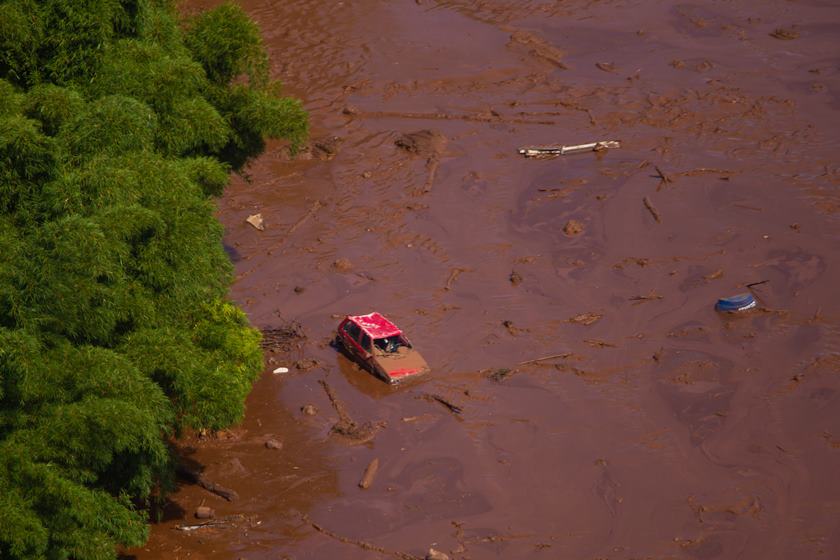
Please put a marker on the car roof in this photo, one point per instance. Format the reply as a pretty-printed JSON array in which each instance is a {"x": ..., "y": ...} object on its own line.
[{"x": 375, "y": 325}]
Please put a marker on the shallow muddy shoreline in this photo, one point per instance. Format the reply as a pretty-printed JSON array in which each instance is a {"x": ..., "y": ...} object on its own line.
[{"x": 657, "y": 427}]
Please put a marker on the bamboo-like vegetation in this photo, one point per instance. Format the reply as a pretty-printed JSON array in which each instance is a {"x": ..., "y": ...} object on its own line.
[{"x": 119, "y": 123}]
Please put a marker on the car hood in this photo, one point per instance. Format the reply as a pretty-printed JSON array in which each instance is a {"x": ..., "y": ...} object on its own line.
[{"x": 400, "y": 365}]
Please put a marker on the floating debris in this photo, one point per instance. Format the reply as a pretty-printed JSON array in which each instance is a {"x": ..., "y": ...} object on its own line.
[
  {"x": 554, "y": 151},
  {"x": 652, "y": 209},
  {"x": 282, "y": 339},
  {"x": 572, "y": 228},
  {"x": 740, "y": 302},
  {"x": 586, "y": 318},
  {"x": 785, "y": 34},
  {"x": 256, "y": 220}
]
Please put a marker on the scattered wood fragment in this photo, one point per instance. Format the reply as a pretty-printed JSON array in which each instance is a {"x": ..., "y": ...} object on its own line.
[
  {"x": 545, "y": 358},
  {"x": 663, "y": 178},
  {"x": 364, "y": 545},
  {"x": 757, "y": 283},
  {"x": 784, "y": 34},
  {"x": 432, "y": 397},
  {"x": 477, "y": 117},
  {"x": 714, "y": 275},
  {"x": 537, "y": 47},
  {"x": 595, "y": 343},
  {"x": 586, "y": 318},
  {"x": 369, "y": 474},
  {"x": 652, "y": 296},
  {"x": 453, "y": 275},
  {"x": 325, "y": 148},
  {"x": 432, "y": 165},
  {"x": 194, "y": 476},
  {"x": 512, "y": 329},
  {"x": 702, "y": 170},
  {"x": 748, "y": 207},
  {"x": 500, "y": 374},
  {"x": 317, "y": 205},
  {"x": 605, "y": 66},
  {"x": 515, "y": 278},
  {"x": 282, "y": 339},
  {"x": 572, "y": 228},
  {"x": 652, "y": 209}
]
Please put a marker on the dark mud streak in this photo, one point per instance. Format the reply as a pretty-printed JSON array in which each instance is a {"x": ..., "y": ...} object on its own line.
[{"x": 654, "y": 427}]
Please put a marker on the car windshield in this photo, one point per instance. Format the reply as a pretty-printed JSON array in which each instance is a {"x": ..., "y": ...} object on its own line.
[{"x": 390, "y": 344}]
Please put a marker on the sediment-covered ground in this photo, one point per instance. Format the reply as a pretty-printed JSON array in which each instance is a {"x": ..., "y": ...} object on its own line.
[{"x": 657, "y": 427}]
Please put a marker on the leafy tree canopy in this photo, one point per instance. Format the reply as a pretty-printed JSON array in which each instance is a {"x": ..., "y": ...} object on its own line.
[{"x": 118, "y": 125}]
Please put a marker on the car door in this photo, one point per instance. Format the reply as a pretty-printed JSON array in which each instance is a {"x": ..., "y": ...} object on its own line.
[
  {"x": 350, "y": 334},
  {"x": 365, "y": 344}
]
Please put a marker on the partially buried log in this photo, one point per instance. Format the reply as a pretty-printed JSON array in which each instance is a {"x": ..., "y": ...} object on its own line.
[
  {"x": 346, "y": 426},
  {"x": 194, "y": 476}
]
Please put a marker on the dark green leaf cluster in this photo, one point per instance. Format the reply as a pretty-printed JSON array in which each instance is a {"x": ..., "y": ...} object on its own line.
[{"x": 118, "y": 126}]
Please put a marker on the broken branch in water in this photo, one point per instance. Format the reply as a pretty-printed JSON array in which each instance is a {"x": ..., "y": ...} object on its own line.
[
  {"x": 544, "y": 358},
  {"x": 431, "y": 397},
  {"x": 195, "y": 477},
  {"x": 663, "y": 179},
  {"x": 652, "y": 209}
]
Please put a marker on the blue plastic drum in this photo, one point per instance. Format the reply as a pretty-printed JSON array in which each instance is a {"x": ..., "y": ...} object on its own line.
[{"x": 741, "y": 302}]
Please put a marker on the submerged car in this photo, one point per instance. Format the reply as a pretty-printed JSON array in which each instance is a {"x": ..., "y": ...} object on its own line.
[{"x": 380, "y": 346}]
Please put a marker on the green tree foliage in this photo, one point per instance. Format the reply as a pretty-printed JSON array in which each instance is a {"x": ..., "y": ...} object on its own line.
[{"x": 118, "y": 126}]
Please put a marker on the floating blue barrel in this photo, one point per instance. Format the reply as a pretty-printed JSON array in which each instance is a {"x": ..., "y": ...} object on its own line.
[{"x": 741, "y": 302}]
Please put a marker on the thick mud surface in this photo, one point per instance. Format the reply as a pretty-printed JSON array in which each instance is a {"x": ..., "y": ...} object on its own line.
[{"x": 656, "y": 427}]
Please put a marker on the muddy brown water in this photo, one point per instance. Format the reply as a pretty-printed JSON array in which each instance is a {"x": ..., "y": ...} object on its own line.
[{"x": 660, "y": 430}]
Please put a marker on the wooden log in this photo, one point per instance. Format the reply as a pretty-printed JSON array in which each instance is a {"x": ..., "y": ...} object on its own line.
[{"x": 369, "y": 474}]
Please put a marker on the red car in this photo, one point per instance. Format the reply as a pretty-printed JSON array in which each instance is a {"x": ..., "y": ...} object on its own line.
[{"x": 380, "y": 346}]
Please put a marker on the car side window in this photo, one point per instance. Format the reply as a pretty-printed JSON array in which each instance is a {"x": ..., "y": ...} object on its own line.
[
  {"x": 353, "y": 330},
  {"x": 366, "y": 342}
]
